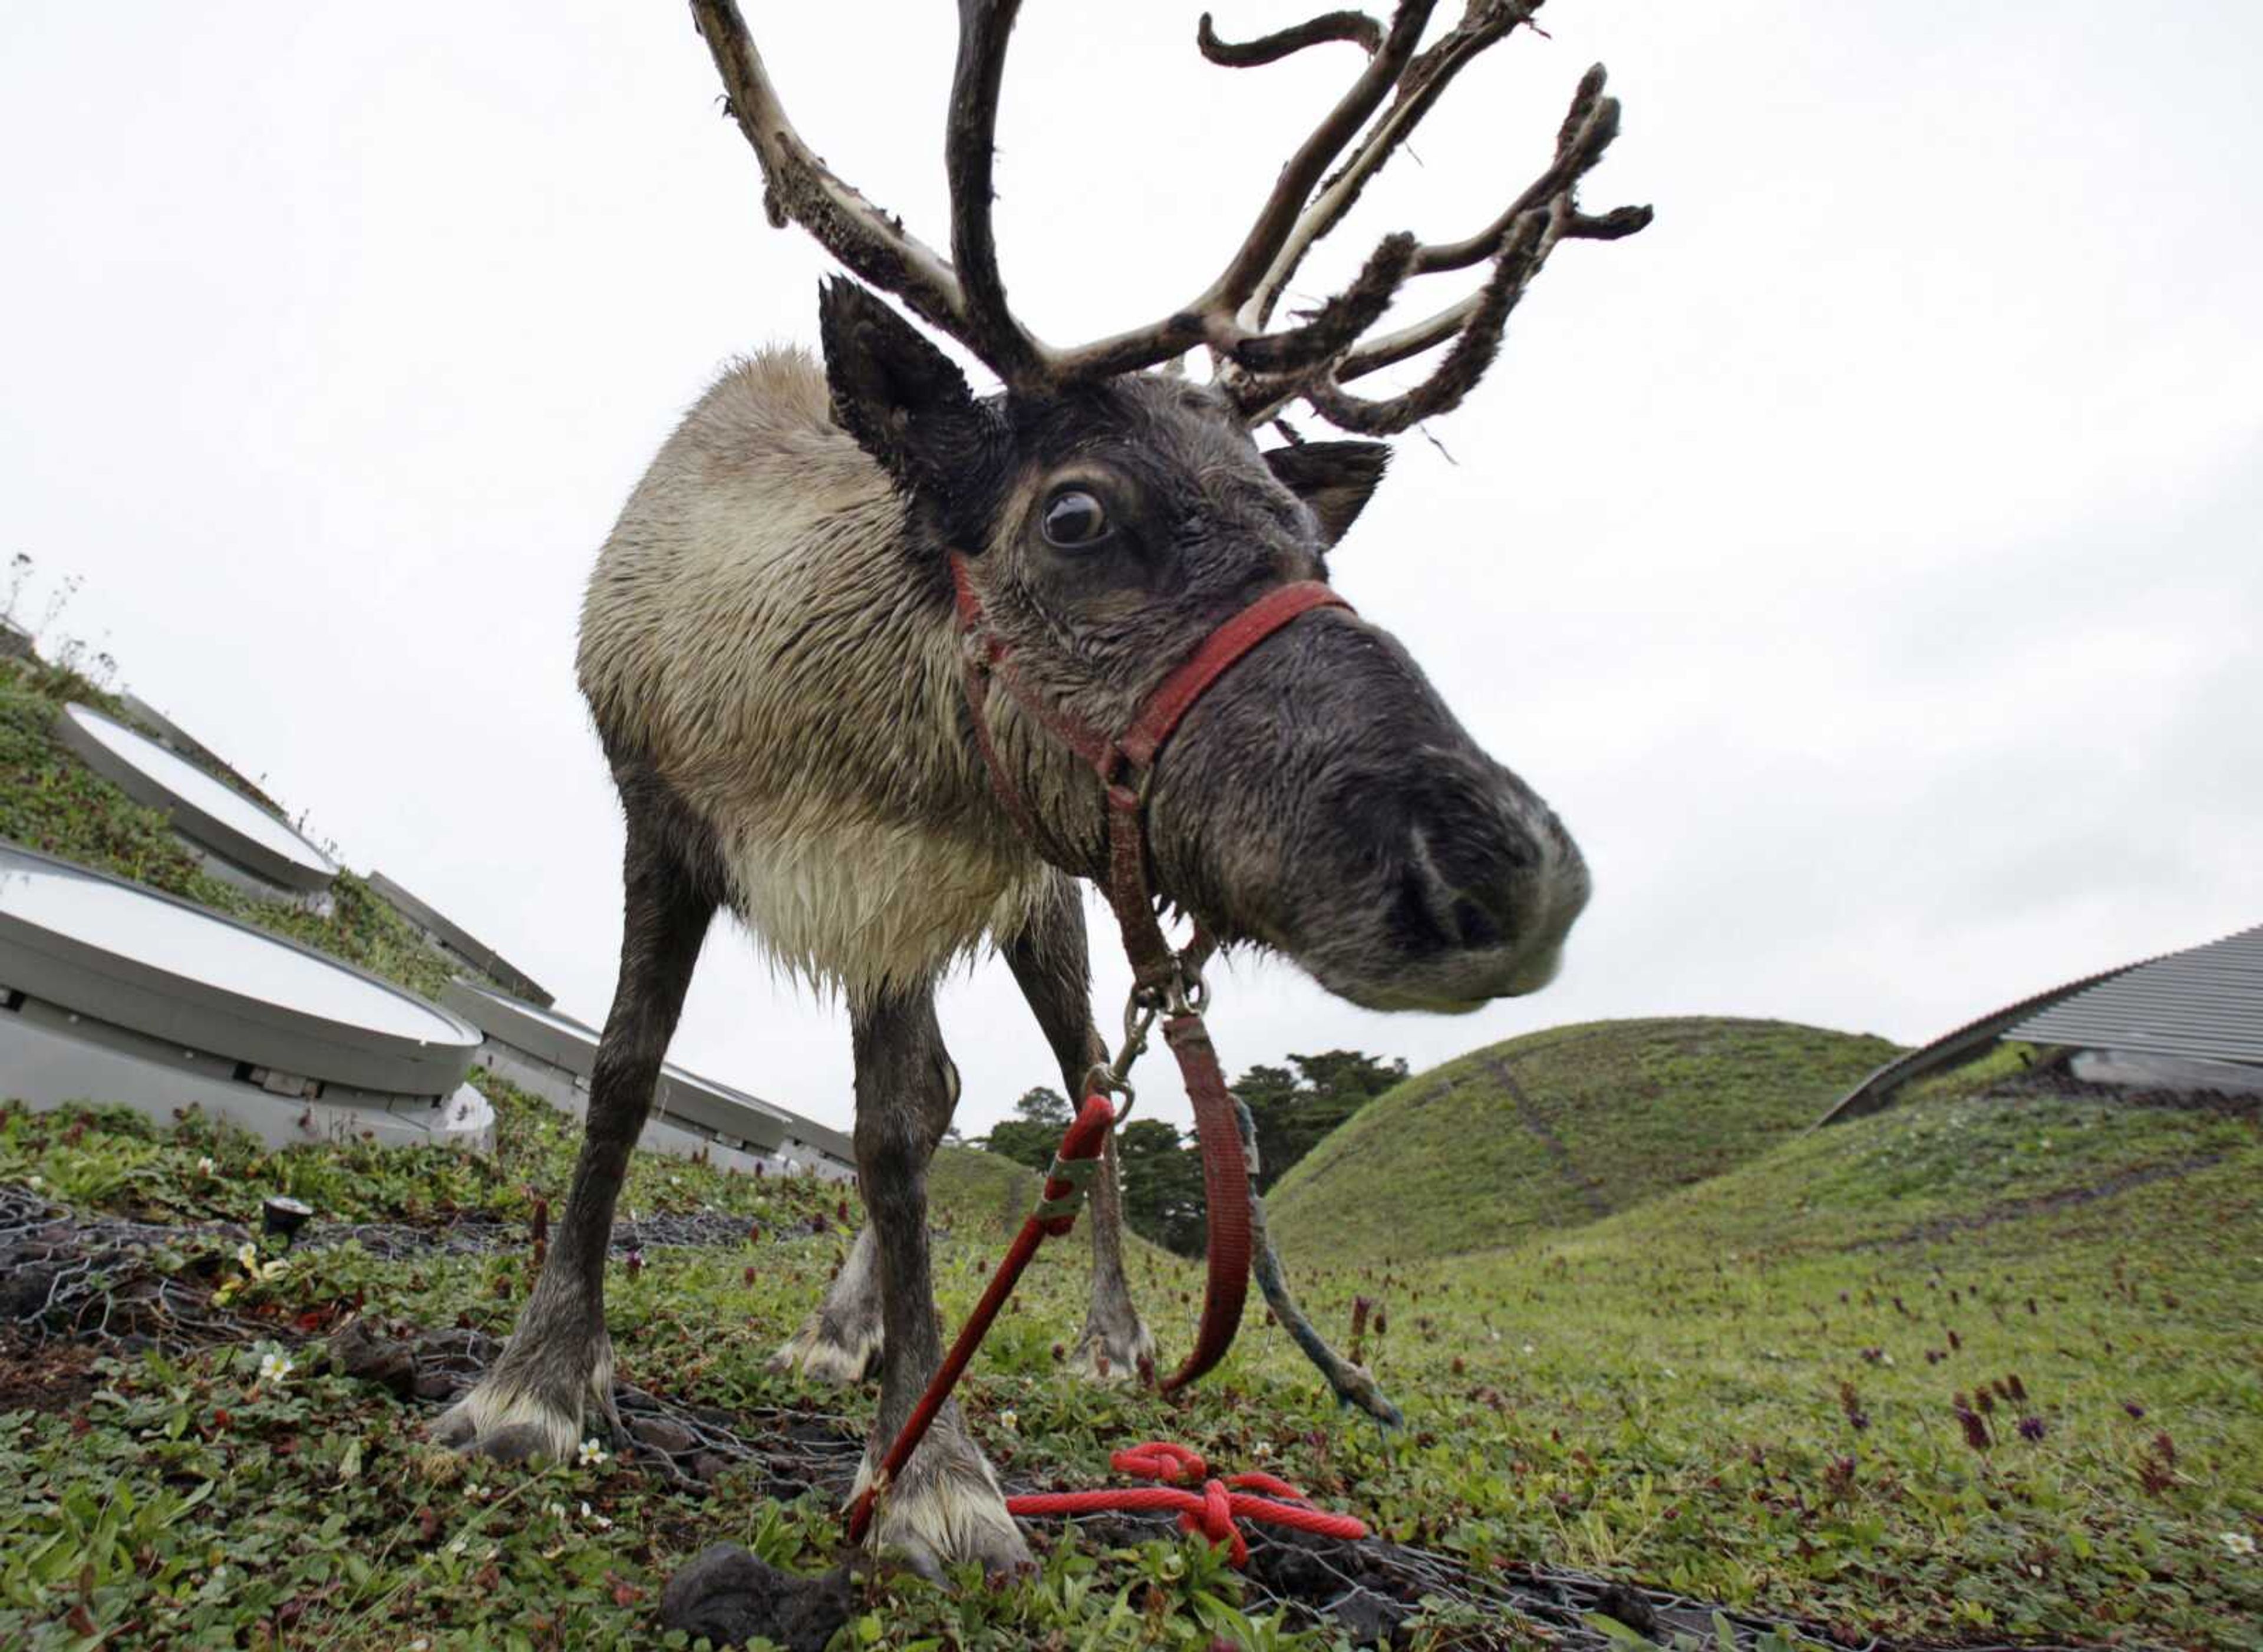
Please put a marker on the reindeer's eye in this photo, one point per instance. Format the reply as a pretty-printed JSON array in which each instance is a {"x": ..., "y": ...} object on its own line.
[{"x": 1074, "y": 519}]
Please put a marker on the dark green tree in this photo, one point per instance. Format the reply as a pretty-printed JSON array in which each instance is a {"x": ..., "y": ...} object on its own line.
[
  {"x": 1162, "y": 1185},
  {"x": 1293, "y": 1110},
  {"x": 1033, "y": 1133}
]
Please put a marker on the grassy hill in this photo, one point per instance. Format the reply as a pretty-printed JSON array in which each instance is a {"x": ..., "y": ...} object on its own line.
[
  {"x": 1557, "y": 1129},
  {"x": 1986, "y": 1366},
  {"x": 979, "y": 1196}
]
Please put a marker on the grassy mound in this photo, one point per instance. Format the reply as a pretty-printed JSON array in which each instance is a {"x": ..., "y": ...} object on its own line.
[
  {"x": 979, "y": 1196},
  {"x": 1556, "y": 1129}
]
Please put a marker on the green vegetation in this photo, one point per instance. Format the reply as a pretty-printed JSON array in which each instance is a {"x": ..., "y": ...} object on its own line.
[
  {"x": 51, "y": 802},
  {"x": 1033, "y": 1131},
  {"x": 1986, "y": 1366},
  {"x": 1293, "y": 1109},
  {"x": 1296, "y": 1107},
  {"x": 1557, "y": 1128}
]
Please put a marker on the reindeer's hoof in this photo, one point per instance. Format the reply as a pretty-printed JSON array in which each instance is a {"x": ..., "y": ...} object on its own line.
[
  {"x": 729, "y": 1596},
  {"x": 510, "y": 1425},
  {"x": 1115, "y": 1353},
  {"x": 831, "y": 1352},
  {"x": 947, "y": 1509}
]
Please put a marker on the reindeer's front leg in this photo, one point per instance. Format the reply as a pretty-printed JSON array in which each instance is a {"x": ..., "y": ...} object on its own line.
[
  {"x": 559, "y": 1360},
  {"x": 1053, "y": 967},
  {"x": 946, "y": 1506}
]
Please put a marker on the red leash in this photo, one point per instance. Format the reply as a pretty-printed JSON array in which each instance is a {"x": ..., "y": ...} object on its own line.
[
  {"x": 1167, "y": 982},
  {"x": 1055, "y": 1214},
  {"x": 1212, "y": 1511}
]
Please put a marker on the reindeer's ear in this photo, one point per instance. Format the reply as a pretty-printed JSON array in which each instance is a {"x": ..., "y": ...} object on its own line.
[
  {"x": 904, "y": 400},
  {"x": 1335, "y": 479}
]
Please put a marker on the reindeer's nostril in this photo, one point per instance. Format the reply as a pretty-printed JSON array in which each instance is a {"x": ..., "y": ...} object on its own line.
[
  {"x": 1416, "y": 911},
  {"x": 1474, "y": 925}
]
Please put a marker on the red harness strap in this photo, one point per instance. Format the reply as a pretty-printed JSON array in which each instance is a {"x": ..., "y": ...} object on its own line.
[{"x": 1124, "y": 764}]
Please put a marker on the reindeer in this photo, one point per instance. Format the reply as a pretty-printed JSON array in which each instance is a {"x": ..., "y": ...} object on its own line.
[{"x": 771, "y": 651}]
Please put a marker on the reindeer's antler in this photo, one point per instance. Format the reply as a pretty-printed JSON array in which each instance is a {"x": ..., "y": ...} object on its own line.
[
  {"x": 967, "y": 301},
  {"x": 1262, "y": 371}
]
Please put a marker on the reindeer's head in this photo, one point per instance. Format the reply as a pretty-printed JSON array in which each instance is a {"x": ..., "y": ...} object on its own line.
[{"x": 1321, "y": 799}]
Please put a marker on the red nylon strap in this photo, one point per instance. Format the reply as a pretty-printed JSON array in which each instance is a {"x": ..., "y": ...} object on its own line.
[
  {"x": 1159, "y": 714},
  {"x": 1226, "y": 1193},
  {"x": 1121, "y": 764}
]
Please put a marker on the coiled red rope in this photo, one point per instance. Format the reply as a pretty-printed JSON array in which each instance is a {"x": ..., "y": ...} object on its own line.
[{"x": 1212, "y": 1511}]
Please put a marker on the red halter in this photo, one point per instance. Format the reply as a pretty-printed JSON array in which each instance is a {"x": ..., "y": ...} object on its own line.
[{"x": 1124, "y": 762}]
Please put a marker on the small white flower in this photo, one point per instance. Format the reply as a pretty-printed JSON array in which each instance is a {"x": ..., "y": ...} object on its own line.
[
  {"x": 275, "y": 1368},
  {"x": 1263, "y": 1448},
  {"x": 592, "y": 1454},
  {"x": 2238, "y": 1542},
  {"x": 247, "y": 1255},
  {"x": 1007, "y": 1421},
  {"x": 557, "y": 1511},
  {"x": 205, "y": 1167},
  {"x": 33, "y": 1183},
  {"x": 1529, "y": 1348},
  {"x": 595, "y": 1518}
]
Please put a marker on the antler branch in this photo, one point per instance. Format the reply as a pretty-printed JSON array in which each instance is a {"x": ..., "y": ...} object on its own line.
[
  {"x": 1473, "y": 350},
  {"x": 964, "y": 296},
  {"x": 798, "y": 188},
  {"x": 969, "y": 151},
  {"x": 1211, "y": 318},
  {"x": 1424, "y": 80},
  {"x": 1356, "y": 26},
  {"x": 1518, "y": 241}
]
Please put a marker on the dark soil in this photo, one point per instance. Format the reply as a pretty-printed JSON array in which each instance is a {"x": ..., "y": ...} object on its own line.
[{"x": 52, "y": 1378}]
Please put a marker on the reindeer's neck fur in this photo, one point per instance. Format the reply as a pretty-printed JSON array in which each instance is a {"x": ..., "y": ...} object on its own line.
[{"x": 762, "y": 631}]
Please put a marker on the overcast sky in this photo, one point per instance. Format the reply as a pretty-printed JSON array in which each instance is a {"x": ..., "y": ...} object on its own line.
[{"x": 1864, "y": 559}]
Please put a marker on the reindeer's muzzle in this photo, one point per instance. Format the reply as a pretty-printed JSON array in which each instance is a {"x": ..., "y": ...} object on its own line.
[{"x": 1325, "y": 802}]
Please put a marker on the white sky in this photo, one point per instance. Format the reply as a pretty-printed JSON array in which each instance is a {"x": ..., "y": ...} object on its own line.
[{"x": 1864, "y": 559}]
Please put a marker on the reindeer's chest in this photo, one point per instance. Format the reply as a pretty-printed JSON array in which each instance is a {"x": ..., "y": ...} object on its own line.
[
  {"x": 866, "y": 903},
  {"x": 860, "y": 845}
]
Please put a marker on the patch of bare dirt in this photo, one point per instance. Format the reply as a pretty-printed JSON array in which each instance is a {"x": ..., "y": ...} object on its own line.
[{"x": 55, "y": 1377}]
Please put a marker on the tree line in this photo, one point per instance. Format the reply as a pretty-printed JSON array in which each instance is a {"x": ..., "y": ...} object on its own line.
[{"x": 1292, "y": 1107}]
